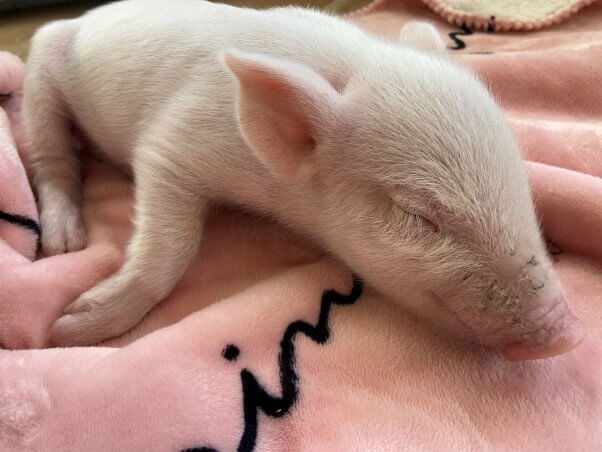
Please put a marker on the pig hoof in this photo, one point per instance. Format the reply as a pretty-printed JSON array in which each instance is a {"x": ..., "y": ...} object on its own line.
[
  {"x": 62, "y": 232},
  {"x": 564, "y": 336},
  {"x": 70, "y": 331},
  {"x": 86, "y": 327},
  {"x": 101, "y": 313}
]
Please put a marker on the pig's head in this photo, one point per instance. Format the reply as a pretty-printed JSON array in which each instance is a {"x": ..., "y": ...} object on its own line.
[{"x": 409, "y": 173}]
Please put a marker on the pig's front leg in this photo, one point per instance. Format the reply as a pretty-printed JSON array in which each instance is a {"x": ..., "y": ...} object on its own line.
[
  {"x": 58, "y": 186},
  {"x": 51, "y": 156},
  {"x": 169, "y": 224}
]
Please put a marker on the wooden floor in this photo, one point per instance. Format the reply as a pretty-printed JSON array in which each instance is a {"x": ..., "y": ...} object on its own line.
[{"x": 16, "y": 28}]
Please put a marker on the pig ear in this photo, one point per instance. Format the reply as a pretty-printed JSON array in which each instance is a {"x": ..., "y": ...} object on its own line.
[
  {"x": 282, "y": 109},
  {"x": 422, "y": 36}
]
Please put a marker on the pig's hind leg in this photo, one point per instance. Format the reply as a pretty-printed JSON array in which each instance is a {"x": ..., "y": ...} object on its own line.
[
  {"x": 51, "y": 155},
  {"x": 169, "y": 224}
]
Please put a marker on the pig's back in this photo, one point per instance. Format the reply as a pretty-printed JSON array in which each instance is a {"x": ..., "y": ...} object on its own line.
[{"x": 132, "y": 60}]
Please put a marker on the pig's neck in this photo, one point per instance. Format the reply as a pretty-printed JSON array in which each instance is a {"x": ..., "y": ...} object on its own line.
[
  {"x": 291, "y": 204},
  {"x": 296, "y": 208}
]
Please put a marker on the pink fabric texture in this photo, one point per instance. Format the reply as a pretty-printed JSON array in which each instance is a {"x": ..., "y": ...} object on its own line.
[
  {"x": 515, "y": 15},
  {"x": 16, "y": 200},
  {"x": 485, "y": 15},
  {"x": 376, "y": 378}
]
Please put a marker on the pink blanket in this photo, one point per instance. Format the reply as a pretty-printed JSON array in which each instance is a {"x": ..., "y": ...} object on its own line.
[{"x": 270, "y": 344}]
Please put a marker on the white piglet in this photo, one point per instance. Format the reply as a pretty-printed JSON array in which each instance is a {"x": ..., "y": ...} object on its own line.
[{"x": 389, "y": 155}]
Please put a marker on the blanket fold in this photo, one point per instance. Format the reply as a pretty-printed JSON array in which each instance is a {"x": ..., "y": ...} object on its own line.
[{"x": 18, "y": 216}]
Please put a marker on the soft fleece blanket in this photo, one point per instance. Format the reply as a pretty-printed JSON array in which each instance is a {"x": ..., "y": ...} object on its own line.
[{"x": 269, "y": 344}]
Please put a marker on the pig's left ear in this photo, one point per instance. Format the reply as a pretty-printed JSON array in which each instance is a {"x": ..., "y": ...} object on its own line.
[
  {"x": 283, "y": 109},
  {"x": 422, "y": 36}
]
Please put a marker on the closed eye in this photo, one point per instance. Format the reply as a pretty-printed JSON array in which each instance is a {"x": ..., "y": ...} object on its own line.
[
  {"x": 426, "y": 223},
  {"x": 413, "y": 211}
]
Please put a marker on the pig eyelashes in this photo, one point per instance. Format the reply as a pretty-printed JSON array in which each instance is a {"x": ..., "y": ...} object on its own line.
[
  {"x": 423, "y": 221},
  {"x": 433, "y": 227},
  {"x": 427, "y": 222}
]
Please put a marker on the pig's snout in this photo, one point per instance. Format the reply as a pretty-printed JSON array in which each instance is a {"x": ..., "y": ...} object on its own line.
[
  {"x": 522, "y": 313},
  {"x": 552, "y": 330}
]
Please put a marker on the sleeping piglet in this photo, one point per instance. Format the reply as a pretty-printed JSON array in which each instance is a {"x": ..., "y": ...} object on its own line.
[{"x": 388, "y": 155}]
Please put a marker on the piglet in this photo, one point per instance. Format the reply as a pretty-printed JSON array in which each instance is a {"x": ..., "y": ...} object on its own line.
[{"x": 388, "y": 155}]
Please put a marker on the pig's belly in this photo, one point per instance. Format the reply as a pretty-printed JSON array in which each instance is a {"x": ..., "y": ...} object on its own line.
[
  {"x": 111, "y": 114},
  {"x": 99, "y": 141},
  {"x": 107, "y": 123}
]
